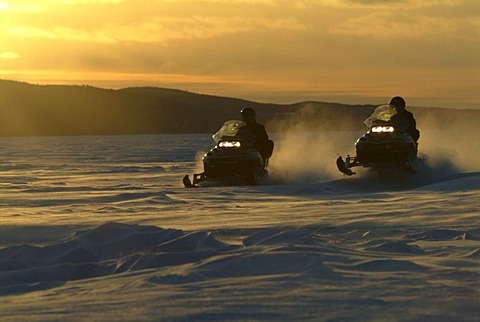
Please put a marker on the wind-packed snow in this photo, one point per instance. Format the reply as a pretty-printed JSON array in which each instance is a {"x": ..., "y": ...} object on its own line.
[{"x": 101, "y": 228}]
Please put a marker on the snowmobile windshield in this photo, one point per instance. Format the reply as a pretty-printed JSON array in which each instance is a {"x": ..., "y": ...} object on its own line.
[
  {"x": 382, "y": 113},
  {"x": 234, "y": 130}
]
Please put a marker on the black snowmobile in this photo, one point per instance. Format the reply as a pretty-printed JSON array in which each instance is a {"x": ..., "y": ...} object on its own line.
[
  {"x": 384, "y": 147},
  {"x": 233, "y": 160}
]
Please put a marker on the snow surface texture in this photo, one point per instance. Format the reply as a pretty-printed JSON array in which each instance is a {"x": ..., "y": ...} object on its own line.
[{"x": 100, "y": 228}]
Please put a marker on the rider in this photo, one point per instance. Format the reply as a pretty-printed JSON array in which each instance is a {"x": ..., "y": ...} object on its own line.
[
  {"x": 262, "y": 143},
  {"x": 404, "y": 119}
]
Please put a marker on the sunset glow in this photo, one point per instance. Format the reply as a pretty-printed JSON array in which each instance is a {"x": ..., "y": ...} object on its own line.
[{"x": 348, "y": 51}]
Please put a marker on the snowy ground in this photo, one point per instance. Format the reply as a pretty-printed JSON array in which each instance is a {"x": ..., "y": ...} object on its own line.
[{"x": 100, "y": 228}]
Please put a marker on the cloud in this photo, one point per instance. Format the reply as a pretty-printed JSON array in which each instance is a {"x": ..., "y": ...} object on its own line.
[
  {"x": 20, "y": 8},
  {"x": 32, "y": 32},
  {"x": 162, "y": 29},
  {"x": 398, "y": 4},
  {"x": 388, "y": 25},
  {"x": 268, "y": 2},
  {"x": 73, "y": 2},
  {"x": 9, "y": 55},
  {"x": 323, "y": 3}
]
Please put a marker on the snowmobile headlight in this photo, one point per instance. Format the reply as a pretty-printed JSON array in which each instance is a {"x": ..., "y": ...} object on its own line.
[
  {"x": 230, "y": 144},
  {"x": 382, "y": 129}
]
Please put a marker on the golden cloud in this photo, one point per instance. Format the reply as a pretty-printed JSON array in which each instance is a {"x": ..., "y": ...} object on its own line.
[
  {"x": 20, "y": 8},
  {"x": 384, "y": 25},
  {"x": 269, "y": 2},
  {"x": 382, "y": 3},
  {"x": 9, "y": 55},
  {"x": 161, "y": 29},
  {"x": 31, "y": 32},
  {"x": 72, "y": 2}
]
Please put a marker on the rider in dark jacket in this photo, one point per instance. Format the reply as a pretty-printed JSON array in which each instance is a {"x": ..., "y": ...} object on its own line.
[
  {"x": 262, "y": 143},
  {"x": 404, "y": 119}
]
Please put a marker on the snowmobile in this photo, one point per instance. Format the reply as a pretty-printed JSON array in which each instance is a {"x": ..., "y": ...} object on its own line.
[
  {"x": 384, "y": 147},
  {"x": 233, "y": 159}
]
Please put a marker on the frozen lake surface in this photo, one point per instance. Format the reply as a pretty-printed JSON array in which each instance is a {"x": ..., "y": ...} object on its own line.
[{"x": 101, "y": 228}]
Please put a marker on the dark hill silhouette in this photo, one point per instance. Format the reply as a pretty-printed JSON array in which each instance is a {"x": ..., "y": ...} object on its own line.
[
  {"x": 27, "y": 109},
  {"x": 75, "y": 110}
]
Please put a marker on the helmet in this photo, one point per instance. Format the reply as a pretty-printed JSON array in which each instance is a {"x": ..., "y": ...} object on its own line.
[
  {"x": 398, "y": 102},
  {"x": 248, "y": 115},
  {"x": 248, "y": 112}
]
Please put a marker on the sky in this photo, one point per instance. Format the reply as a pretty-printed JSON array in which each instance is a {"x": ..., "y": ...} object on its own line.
[{"x": 277, "y": 51}]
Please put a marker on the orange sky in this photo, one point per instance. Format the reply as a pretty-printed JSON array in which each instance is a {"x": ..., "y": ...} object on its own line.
[{"x": 283, "y": 51}]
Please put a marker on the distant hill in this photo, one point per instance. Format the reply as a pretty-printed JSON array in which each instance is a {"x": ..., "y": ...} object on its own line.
[{"x": 27, "y": 109}]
